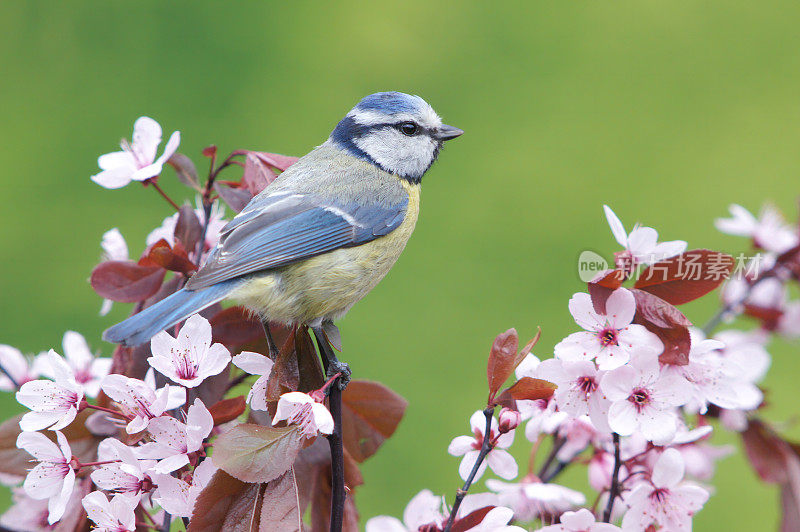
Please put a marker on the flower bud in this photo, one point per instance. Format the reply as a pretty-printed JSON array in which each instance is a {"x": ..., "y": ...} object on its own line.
[{"x": 508, "y": 420}]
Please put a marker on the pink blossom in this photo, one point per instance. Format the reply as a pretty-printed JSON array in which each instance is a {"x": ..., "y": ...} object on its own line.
[
  {"x": 298, "y": 408},
  {"x": 255, "y": 364},
  {"x": 140, "y": 400},
  {"x": 128, "y": 475},
  {"x": 174, "y": 440},
  {"x": 114, "y": 248},
  {"x": 543, "y": 417},
  {"x": 643, "y": 399},
  {"x": 744, "y": 353},
  {"x": 664, "y": 500},
  {"x": 609, "y": 338},
  {"x": 177, "y": 496},
  {"x": 190, "y": 358},
  {"x": 137, "y": 160},
  {"x": 167, "y": 229},
  {"x": 768, "y": 295},
  {"x": 86, "y": 369},
  {"x": 427, "y": 511},
  {"x": 498, "y": 459},
  {"x": 54, "y": 404},
  {"x": 578, "y": 391},
  {"x": 52, "y": 478},
  {"x": 531, "y": 499},
  {"x": 769, "y": 231},
  {"x": 26, "y": 514},
  {"x": 578, "y": 433},
  {"x": 114, "y": 516},
  {"x": 580, "y": 521},
  {"x": 600, "y": 470},
  {"x": 641, "y": 245},
  {"x": 717, "y": 379},
  {"x": 424, "y": 509},
  {"x": 17, "y": 365},
  {"x": 542, "y": 413},
  {"x": 789, "y": 323}
]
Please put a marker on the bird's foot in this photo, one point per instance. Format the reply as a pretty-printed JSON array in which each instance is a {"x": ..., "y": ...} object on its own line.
[{"x": 343, "y": 368}]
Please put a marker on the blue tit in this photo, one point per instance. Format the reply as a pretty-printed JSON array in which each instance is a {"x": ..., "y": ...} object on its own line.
[{"x": 325, "y": 232}]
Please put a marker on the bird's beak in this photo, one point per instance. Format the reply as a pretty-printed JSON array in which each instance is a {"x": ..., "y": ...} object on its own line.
[{"x": 446, "y": 132}]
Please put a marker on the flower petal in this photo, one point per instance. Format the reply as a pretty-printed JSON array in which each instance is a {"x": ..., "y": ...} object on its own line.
[{"x": 503, "y": 464}]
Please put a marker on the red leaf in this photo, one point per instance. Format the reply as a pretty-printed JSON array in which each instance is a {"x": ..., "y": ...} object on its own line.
[
  {"x": 188, "y": 230},
  {"x": 687, "y": 276},
  {"x": 281, "y": 507},
  {"x": 236, "y": 198},
  {"x": 666, "y": 322},
  {"x": 471, "y": 520},
  {"x": 311, "y": 376},
  {"x": 173, "y": 259},
  {"x": 660, "y": 313},
  {"x": 601, "y": 287},
  {"x": 281, "y": 162},
  {"x": 227, "y": 409},
  {"x": 236, "y": 326},
  {"x": 501, "y": 359},
  {"x": 187, "y": 172},
  {"x": 321, "y": 505},
  {"x": 767, "y": 452},
  {"x": 527, "y": 388},
  {"x": 256, "y": 174},
  {"x": 126, "y": 281},
  {"x": 370, "y": 415},
  {"x": 254, "y": 453},
  {"x": 226, "y": 504},
  {"x": 285, "y": 374}
]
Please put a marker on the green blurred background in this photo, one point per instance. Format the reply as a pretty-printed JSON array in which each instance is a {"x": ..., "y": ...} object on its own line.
[{"x": 666, "y": 111}]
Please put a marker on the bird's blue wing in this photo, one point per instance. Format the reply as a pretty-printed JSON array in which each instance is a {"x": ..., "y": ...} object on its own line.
[{"x": 285, "y": 228}]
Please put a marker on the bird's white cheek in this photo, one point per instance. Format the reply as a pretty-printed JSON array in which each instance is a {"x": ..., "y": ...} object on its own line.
[{"x": 409, "y": 156}]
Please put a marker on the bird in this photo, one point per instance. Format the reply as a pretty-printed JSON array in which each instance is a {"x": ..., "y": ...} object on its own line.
[{"x": 322, "y": 235}]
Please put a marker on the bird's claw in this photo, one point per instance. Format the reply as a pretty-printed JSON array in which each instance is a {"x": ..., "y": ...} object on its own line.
[{"x": 343, "y": 368}]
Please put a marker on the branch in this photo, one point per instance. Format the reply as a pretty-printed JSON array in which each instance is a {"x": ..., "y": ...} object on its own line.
[
  {"x": 486, "y": 446},
  {"x": 726, "y": 309},
  {"x": 337, "y": 460},
  {"x": 612, "y": 494},
  {"x": 558, "y": 443},
  {"x": 167, "y": 522},
  {"x": 163, "y": 194}
]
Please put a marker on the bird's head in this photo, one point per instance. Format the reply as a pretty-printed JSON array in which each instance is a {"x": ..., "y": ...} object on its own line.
[{"x": 397, "y": 132}]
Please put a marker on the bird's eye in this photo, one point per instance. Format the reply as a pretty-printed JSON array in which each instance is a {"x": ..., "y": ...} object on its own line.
[{"x": 409, "y": 128}]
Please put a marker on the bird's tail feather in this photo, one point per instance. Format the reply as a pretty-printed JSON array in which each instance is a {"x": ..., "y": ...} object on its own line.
[{"x": 140, "y": 327}]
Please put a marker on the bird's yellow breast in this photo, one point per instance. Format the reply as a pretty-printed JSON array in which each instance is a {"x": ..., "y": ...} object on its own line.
[{"x": 326, "y": 286}]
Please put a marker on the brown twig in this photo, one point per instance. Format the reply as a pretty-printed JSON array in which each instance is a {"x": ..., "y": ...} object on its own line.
[
  {"x": 486, "y": 446},
  {"x": 158, "y": 189},
  {"x": 614, "y": 491},
  {"x": 337, "y": 460}
]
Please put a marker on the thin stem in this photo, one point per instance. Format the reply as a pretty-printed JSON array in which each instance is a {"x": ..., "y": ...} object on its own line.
[
  {"x": 726, "y": 309},
  {"x": 486, "y": 446},
  {"x": 104, "y": 462},
  {"x": 167, "y": 522},
  {"x": 163, "y": 194},
  {"x": 337, "y": 460},
  {"x": 612, "y": 494},
  {"x": 238, "y": 380},
  {"x": 558, "y": 443},
  {"x": 9, "y": 376},
  {"x": 338, "y": 493},
  {"x": 108, "y": 411},
  {"x": 560, "y": 466}
]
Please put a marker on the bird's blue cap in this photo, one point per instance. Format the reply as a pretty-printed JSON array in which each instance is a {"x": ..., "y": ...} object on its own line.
[{"x": 391, "y": 103}]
